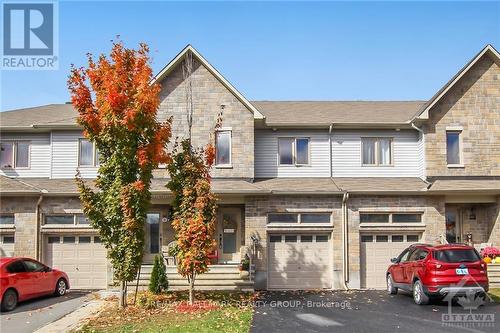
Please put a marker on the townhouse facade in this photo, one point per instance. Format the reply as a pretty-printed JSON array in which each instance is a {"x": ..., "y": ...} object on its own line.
[{"x": 319, "y": 194}]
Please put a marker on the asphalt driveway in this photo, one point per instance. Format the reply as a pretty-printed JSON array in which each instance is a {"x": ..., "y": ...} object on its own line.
[
  {"x": 34, "y": 314},
  {"x": 366, "y": 311}
]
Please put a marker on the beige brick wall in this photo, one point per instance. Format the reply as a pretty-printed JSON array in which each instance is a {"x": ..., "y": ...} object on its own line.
[
  {"x": 474, "y": 104},
  {"x": 494, "y": 226},
  {"x": 24, "y": 210},
  {"x": 208, "y": 96}
]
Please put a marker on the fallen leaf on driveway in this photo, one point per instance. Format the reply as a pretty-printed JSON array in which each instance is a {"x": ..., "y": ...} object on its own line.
[{"x": 435, "y": 310}]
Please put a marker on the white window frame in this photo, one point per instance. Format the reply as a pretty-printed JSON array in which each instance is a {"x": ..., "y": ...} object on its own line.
[
  {"x": 377, "y": 152},
  {"x": 95, "y": 162},
  {"x": 14, "y": 144},
  {"x": 63, "y": 226},
  {"x": 459, "y": 131},
  {"x": 390, "y": 222},
  {"x": 299, "y": 218},
  {"x": 230, "y": 164},
  {"x": 294, "y": 151}
]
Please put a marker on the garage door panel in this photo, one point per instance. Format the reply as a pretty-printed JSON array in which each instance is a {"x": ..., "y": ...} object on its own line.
[
  {"x": 85, "y": 263},
  {"x": 297, "y": 265},
  {"x": 375, "y": 259}
]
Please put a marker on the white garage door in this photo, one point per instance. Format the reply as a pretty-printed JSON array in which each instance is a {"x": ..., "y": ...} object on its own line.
[
  {"x": 82, "y": 257},
  {"x": 376, "y": 253},
  {"x": 7, "y": 245},
  {"x": 300, "y": 262}
]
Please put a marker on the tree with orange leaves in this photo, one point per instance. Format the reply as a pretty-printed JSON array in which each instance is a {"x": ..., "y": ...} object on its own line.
[
  {"x": 194, "y": 205},
  {"x": 117, "y": 106}
]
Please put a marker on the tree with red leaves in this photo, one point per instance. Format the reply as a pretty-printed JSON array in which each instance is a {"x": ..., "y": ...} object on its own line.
[
  {"x": 117, "y": 106},
  {"x": 194, "y": 205}
]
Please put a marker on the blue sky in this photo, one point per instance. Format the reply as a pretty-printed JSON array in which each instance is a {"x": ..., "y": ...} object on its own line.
[{"x": 282, "y": 50}]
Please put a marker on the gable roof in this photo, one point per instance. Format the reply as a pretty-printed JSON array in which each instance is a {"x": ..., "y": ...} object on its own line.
[
  {"x": 324, "y": 113},
  {"x": 487, "y": 50},
  {"x": 178, "y": 59},
  {"x": 51, "y": 115}
]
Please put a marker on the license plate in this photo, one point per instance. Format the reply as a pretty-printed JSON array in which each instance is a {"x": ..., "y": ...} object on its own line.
[{"x": 462, "y": 271}]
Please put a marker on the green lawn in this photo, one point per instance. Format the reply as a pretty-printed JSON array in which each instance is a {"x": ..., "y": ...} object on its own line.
[
  {"x": 495, "y": 294},
  {"x": 233, "y": 315}
]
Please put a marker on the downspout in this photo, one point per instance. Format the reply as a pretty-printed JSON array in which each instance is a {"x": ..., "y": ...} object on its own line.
[
  {"x": 38, "y": 236},
  {"x": 421, "y": 131},
  {"x": 345, "y": 242}
]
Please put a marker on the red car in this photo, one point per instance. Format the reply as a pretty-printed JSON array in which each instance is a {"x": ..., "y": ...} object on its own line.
[
  {"x": 25, "y": 278},
  {"x": 436, "y": 271}
]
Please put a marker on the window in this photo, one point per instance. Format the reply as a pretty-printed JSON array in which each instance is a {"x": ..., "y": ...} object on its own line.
[
  {"x": 67, "y": 219},
  {"x": 15, "y": 154},
  {"x": 87, "y": 154},
  {"x": 306, "y": 239},
  {"x": 59, "y": 219},
  {"x": 321, "y": 238},
  {"x": 418, "y": 254},
  {"x": 403, "y": 257},
  {"x": 223, "y": 148},
  {"x": 8, "y": 239},
  {"x": 397, "y": 238},
  {"x": 7, "y": 219},
  {"x": 457, "y": 255},
  {"x": 275, "y": 239},
  {"x": 82, "y": 219},
  {"x": 453, "y": 147},
  {"x": 69, "y": 239},
  {"x": 282, "y": 218},
  {"x": 84, "y": 239},
  {"x": 373, "y": 218},
  {"x": 97, "y": 239},
  {"x": 406, "y": 218},
  {"x": 16, "y": 267},
  {"x": 314, "y": 218},
  {"x": 54, "y": 239},
  {"x": 33, "y": 266},
  {"x": 306, "y": 218},
  {"x": 382, "y": 238},
  {"x": 412, "y": 238},
  {"x": 366, "y": 238},
  {"x": 390, "y": 217},
  {"x": 293, "y": 151},
  {"x": 302, "y": 151},
  {"x": 290, "y": 239},
  {"x": 153, "y": 222},
  {"x": 376, "y": 151}
]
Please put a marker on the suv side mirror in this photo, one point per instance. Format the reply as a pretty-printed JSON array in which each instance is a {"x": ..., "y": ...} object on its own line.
[
  {"x": 394, "y": 260},
  {"x": 47, "y": 269}
]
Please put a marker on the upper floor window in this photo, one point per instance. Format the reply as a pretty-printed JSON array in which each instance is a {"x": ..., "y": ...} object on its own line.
[
  {"x": 7, "y": 219},
  {"x": 87, "y": 153},
  {"x": 310, "y": 217},
  {"x": 293, "y": 151},
  {"x": 223, "y": 148},
  {"x": 453, "y": 149},
  {"x": 15, "y": 154},
  {"x": 376, "y": 151},
  {"x": 67, "y": 219},
  {"x": 390, "y": 217}
]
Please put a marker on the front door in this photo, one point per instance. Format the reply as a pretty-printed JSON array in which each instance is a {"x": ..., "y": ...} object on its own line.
[
  {"x": 152, "y": 237},
  {"x": 453, "y": 224},
  {"x": 229, "y": 234}
]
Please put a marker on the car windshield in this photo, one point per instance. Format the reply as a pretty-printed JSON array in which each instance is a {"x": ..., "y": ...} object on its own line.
[{"x": 457, "y": 255}]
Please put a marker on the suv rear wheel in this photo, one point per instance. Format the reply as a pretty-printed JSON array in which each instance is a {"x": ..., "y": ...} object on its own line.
[
  {"x": 390, "y": 286},
  {"x": 419, "y": 295}
]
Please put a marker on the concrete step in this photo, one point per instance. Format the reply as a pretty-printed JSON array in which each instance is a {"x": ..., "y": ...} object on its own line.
[{"x": 213, "y": 276}]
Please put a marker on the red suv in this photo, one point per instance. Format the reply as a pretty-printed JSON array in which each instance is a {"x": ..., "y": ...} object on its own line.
[{"x": 436, "y": 271}]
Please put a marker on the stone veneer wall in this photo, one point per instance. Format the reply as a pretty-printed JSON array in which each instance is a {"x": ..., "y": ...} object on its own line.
[
  {"x": 24, "y": 210},
  {"x": 494, "y": 227},
  {"x": 256, "y": 210},
  {"x": 208, "y": 96},
  {"x": 473, "y": 103},
  {"x": 433, "y": 210}
]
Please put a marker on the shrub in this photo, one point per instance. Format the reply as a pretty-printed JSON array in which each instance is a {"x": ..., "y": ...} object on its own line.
[
  {"x": 147, "y": 300},
  {"x": 158, "y": 282}
]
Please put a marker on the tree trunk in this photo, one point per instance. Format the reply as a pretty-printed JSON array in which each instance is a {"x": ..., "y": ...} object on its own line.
[
  {"x": 191, "y": 290},
  {"x": 123, "y": 295}
]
